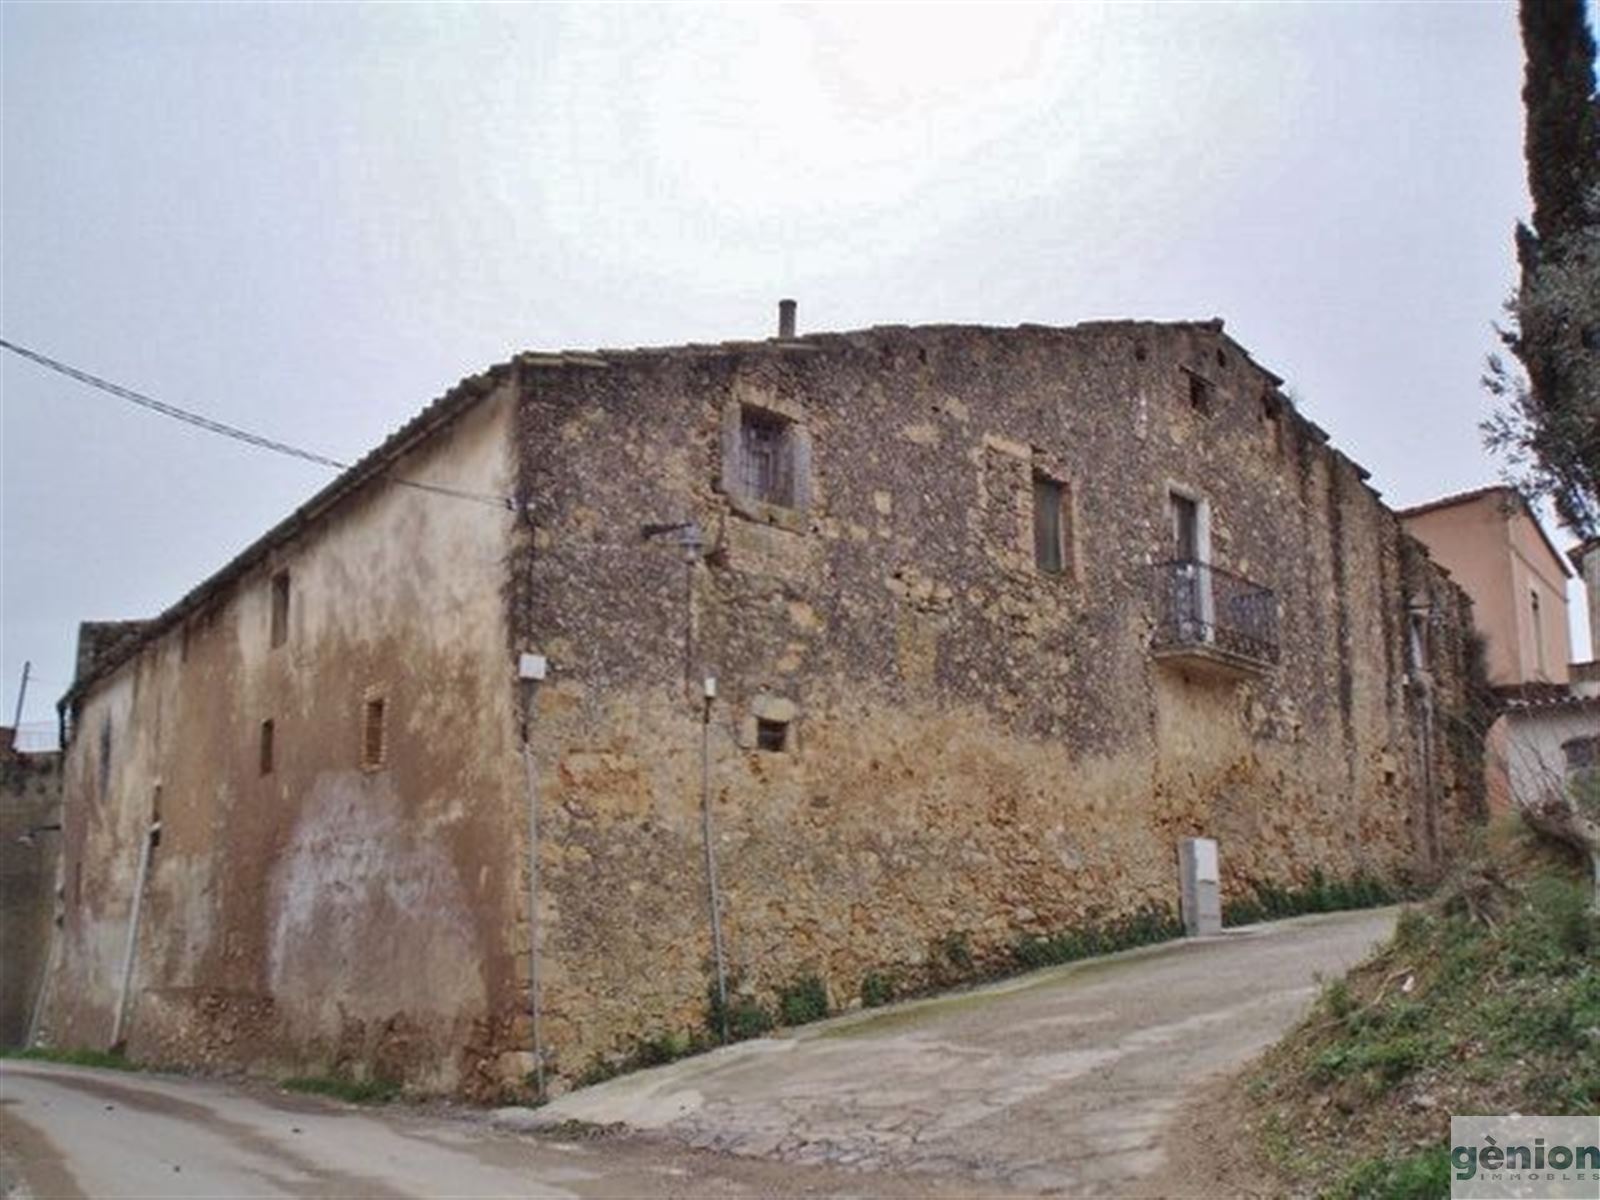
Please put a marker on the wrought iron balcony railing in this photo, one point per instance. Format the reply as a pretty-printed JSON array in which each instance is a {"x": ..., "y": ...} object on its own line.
[{"x": 1207, "y": 610}]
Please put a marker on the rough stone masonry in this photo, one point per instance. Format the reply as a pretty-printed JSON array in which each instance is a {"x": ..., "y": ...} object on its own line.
[{"x": 964, "y": 696}]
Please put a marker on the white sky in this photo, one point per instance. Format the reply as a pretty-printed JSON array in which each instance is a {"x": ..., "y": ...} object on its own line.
[{"x": 310, "y": 220}]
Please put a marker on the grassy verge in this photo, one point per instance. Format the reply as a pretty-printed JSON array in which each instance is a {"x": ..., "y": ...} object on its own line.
[
  {"x": 80, "y": 1056},
  {"x": 352, "y": 1091},
  {"x": 1272, "y": 902},
  {"x": 1487, "y": 1000}
]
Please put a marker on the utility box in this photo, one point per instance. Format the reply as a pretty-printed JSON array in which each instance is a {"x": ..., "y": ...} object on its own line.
[{"x": 1200, "y": 886}]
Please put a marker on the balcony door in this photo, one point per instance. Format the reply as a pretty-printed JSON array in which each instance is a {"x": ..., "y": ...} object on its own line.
[{"x": 1191, "y": 578}]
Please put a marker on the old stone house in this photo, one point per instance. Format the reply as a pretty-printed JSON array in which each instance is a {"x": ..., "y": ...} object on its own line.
[{"x": 996, "y": 616}]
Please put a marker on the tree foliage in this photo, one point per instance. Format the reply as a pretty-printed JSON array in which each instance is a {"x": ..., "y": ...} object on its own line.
[{"x": 1547, "y": 423}]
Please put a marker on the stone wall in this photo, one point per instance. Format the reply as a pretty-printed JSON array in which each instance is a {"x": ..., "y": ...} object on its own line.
[
  {"x": 978, "y": 751},
  {"x": 30, "y": 852},
  {"x": 349, "y": 905},
  {"x": 923, "y": 748}
]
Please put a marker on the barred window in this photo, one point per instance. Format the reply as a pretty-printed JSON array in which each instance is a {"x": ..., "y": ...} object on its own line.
[{"x": 766, "y": 457}]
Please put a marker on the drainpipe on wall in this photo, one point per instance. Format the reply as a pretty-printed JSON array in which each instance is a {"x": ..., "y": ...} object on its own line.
[
  {"x": 130, "y": 953},
  {"x": 531, "y": 668},
  {"x": 713, "y": 897}
]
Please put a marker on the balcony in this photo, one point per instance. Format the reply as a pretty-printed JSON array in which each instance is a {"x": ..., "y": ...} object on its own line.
[{"x": 1213, "y": 621}]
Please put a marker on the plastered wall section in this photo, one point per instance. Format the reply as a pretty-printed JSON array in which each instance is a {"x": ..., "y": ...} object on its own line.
[
  {"x": 1544, "y": 641},
  {"x": 1536, "y": 761},
  {"x": 1494, "y": 552},
  {"x": 331, "y": 913},
  {"x": 976, "y": 751}
]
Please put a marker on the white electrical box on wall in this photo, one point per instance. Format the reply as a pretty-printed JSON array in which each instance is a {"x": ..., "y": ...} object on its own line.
[{"x": 531, "y": 666}]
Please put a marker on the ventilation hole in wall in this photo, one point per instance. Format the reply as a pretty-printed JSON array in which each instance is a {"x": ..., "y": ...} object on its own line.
[
  {"x": 280, "y": 608},
  {"x": 1140, "y": 352},
  {"x": 372, "y": 733},
  {"x": 266, "y": 747},
  {"x": 772, "y": 736}
]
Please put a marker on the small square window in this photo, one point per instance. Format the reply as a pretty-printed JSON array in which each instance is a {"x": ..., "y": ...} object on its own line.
[
  {"x": 373, "y": 733},
  {"x": 280, "y": 608},
  {"x": 266, "y": 749},
  {"x": 766, "y": 457},
  {"x": 772, "y": 736}
]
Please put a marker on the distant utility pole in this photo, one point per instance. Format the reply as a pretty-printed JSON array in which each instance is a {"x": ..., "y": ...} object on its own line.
[{"x": 22, "y": 693}]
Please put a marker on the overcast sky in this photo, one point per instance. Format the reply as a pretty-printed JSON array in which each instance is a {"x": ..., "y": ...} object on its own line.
[{"x": 311, "y": 220}]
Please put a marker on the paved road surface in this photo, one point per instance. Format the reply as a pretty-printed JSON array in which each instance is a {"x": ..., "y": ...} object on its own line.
[
  {"x": 1063, "y": 1081},
  {"x": 67, "y": 1132}
]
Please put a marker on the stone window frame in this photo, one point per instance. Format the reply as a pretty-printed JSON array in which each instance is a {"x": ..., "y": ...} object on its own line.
[
  {"x": 1045, "y": 468},
  {"x": 791, "y": 516},
  {"x": 1204, "y": 598},
  {"x": 769, "y": 710}
]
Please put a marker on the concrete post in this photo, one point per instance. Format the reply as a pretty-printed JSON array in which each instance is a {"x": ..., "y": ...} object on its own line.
[{"x": 1201, "y": 887}]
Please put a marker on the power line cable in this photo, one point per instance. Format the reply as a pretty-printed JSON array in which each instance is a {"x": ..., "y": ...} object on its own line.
[{"x": 234, "y": 432}]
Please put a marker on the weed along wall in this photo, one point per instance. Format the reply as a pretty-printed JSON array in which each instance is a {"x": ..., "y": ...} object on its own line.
[{"x": 997, "y": 617}]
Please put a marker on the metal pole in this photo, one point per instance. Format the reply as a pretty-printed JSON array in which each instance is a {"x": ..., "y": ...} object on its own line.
[
  {"x": 22, "y": 692},
  {"x": 128, "y": 953},
  {"x": 713, "y": 896},
  {"x": 36, "y": 1017},
  {"x": 530, "y": 775}
]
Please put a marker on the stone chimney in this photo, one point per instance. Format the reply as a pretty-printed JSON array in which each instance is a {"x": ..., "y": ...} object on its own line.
[{"x": 786, "y": 314}]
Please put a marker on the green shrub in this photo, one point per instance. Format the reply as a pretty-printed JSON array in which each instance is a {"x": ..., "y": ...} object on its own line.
[
  {"x": 956, "y": 950},
  {"x": 1143, "y": 928},
  {"x": 1338, "y": 999},
  {"x": 81, "y": 1056},
  {"x": 1423, "y": 1176},
  {"x": 803, "y": 1001},
  {"x": 746, "y": 1017},
  {"x": 876, "y": 990},
  {"x": 339, "y": 1087},
  {"x": 1271, "y": 902}
]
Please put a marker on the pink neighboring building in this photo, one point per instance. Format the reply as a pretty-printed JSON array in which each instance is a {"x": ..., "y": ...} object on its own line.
[{"x": 1494, "y": 547}]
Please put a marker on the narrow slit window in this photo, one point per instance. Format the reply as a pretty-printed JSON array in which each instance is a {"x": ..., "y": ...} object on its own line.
[
  {"x": 1201, "y": 393},
  {"x": 1050, "y": 529},
  {"x": 373, "y": 733},
  {"x": 268, "y": 734},
  {"x": 772, "y": 736},
  {"x": 280, "y": 608}
]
